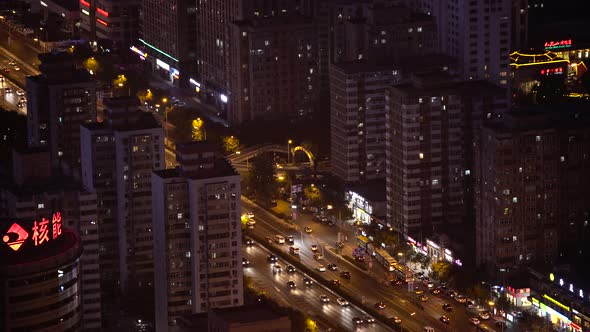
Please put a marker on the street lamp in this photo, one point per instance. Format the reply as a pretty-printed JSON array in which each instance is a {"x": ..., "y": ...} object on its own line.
[{"x": 289, "y": 142}]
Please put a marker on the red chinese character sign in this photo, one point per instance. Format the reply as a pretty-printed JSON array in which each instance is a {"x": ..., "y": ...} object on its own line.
[
  {"x": 41, "y": 232},
  {"x": 552, "y": 71},
  {"x": 557, "y": 44}
]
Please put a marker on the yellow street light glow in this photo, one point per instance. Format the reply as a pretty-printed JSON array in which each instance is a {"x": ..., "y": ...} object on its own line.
[
  {"x": 164, "y": 100},
  {"x": 329, "y": 207}
]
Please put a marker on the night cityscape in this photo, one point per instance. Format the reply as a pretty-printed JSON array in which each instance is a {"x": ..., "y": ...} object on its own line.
[{"x": 294, "y": 165}]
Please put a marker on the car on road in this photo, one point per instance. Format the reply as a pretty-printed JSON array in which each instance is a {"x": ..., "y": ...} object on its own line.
[
  {"x": 17, "y": 68},
  {"x": 397, "y": 320},
  {"x": 279, "y": 239},
  {"x": 248, "y": 241},
  {"x": 6, "y": 70},
  {"x": 314, "y": 247},
  {"x": 423, "y": 298},
  {"x": 368, "y": 319},
  {"x": 484, "y": 315},
  {"x": 290, "y": 239},
  {"x": 345, "y": 274},
  {"x": 447, "y": 307},
  {"x": 474, "y": 321},
  {"x": 318, "y": 256},
  {"x": 7, "y": 90},
  {"x": 324, "y": 298},
  {"x": 12, "y": 63},
  {"x": 277, "y": 268},
  {"x": 291, "y": 284},
  {"x": 445, "y": 319},
  {"x": 460, "y": 299},
  {"x": 418, "y": 291},
  {"x": 250, "y": 214},
  {"x": 290, "y": 269},
  {"x": 245, "y": 262},
  {"x": 294, "y": 250},
  {"x": 340, "y": 245},
  {"x": 307, "y": 281},
  {"x": 21, "y": 104},
  {"x": 272, "y": 258},
  {"x": 435, "y": 291},
  {"x": 308, "y": 230},
  {"x": 342, "y": 302},
  {"x": 332, "y": 267},
  {"x": 357, "y": 321},
  {"x": 1, "y": 79},
  {"x": 321, "y": 268},
  {"x": 335, "y": 282},
  {"x": 380, "y": 305}
]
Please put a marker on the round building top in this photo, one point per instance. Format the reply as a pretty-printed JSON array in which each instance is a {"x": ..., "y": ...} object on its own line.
[{"x": 29, "y": 246}]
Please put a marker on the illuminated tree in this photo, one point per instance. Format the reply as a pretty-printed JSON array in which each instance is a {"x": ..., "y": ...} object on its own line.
[
  {"x": 120, "y": 80},
  {"x": 91, "y": 64},
  {"x": 198, "y": 130},
  {"x": 442, "y": 270},
  {"x": 311, "y": 325},
  {"x": 231, "y": 144},
  {"x": 262, "y": 177},
  {"x": 313, "y": 194}
]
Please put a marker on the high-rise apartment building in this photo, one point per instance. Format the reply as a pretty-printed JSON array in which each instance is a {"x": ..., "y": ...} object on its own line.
[
  {"x": 215, "y": 49},
  {"x": 118, "y": 156},
  {"x": 380, "y": 39},
  {"x": 357, "y": 118},
  {"x": 59, "y": 100},
  {"x": 169, "y": 37},
  {"x": 430, "y": 125},
  {"x": 116, "y": 21},
  {"x": 275, "y": 72},
  {"x": 533, "y": 201},
  {"x": 197, "y": 235},
  {"x": 476, "y": 33},
  {"x": 37, "y": 193}
]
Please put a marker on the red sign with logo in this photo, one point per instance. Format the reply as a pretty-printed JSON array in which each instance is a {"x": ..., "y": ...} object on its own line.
[
  {"x": 566, "y": 43},
  {"x": 42, "y": 232}
]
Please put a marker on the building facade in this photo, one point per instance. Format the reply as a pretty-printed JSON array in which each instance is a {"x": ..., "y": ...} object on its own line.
[
  {"x": 476, "y": 33},
  {"x": 275, "y": 72},
  {"x": 116, "y": 21},
  {"x": 430, "y": 127},
  {"x": 197, "y": 235},
  {"x": 532, "y": 203},
  {"x": 37, "y": 194},
  {"x": 118, "y": 157},
  {"x": 59, "y": 100},
  {"x": 40, "y": 277}
]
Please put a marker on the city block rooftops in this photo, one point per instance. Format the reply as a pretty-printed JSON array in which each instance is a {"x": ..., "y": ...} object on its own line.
[
  {"x": 442, "y": 83},
  {"x": 536, "y": 118},
  {"x": 415, "y": 64}
]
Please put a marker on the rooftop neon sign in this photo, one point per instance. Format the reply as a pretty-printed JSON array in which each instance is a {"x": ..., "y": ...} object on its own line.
[
  {"x": 552, "y": 45},
  {"x": 42, "y": 231}
]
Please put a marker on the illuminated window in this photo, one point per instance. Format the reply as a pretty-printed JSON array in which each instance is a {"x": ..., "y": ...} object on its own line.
[
  {"x": 562, "y": 158},
  {"x": 538, "y": 138},
  {"x": 467, "y": 172},
  {"x": 419, "y": 29},
  {"x": 421, "y": 155},
  {"x": 179, "y": 216},
  {"x": 40, "y": 206},
  {"x": 515, "y": 199},
  {"x": 411, "y": 30},
  {"x": 266, "y": 42},
  {"x": 244, "y": 33}
]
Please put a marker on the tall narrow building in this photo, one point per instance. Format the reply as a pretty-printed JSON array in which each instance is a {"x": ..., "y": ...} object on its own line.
[
  {"x": 197, "y": 235},
  {"x": 431, "y": 136},
  {"x": 118, "y": 157},
  {"x": 59, "y": 100}
]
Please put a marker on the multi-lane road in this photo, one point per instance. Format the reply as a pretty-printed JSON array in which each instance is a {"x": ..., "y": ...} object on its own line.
[
  {"x": 367, "y": 287},
  {"x": 304, "y": 298}
]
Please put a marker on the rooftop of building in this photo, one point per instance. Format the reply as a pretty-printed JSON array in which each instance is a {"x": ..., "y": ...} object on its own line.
[
  {"x": 426, "y": 63},
  {"x": 247, "y": 314},
  {"x": 134, "y": 120},
  {"x": 437, "y": 83},
  {"x": 275, "y": 21},
  {"x": 221, "y": 168},
  {"x": 543, "y": 117},
  {"x": 532, "y": 56},
  {"x": 373, "y": 190}
]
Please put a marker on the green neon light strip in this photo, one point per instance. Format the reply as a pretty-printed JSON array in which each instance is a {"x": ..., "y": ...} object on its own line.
[{"x": 156, "y": 49}]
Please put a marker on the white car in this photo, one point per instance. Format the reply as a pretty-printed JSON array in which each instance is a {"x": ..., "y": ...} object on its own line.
[
  {"x": 17, "y": 68},
  {"x": 397, "y": 320},
  {"x": 324, "y": 299},
  {"x": 250, "y": 214},
  {"x": 474, "y": 321},
  {"x": 321, "y": 268},
  {"x": 342, "y": 302}
]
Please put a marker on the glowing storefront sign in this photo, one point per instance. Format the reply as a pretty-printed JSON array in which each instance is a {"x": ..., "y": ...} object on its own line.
[
  {"x": 102, "y": 12},
  {"x": 138, "y": 51},
  {"x": 552, "y": 45},
  {"x": 162, "y": 64},
  {"x": 42, "y": 232},
  {"x": 552, "y": 71},
  {"x": 557, "y": 303},
  {"x": 432, "y": 244},
  {"x": 194, "y": 82},
  {"x": 84, "y": 3}
]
